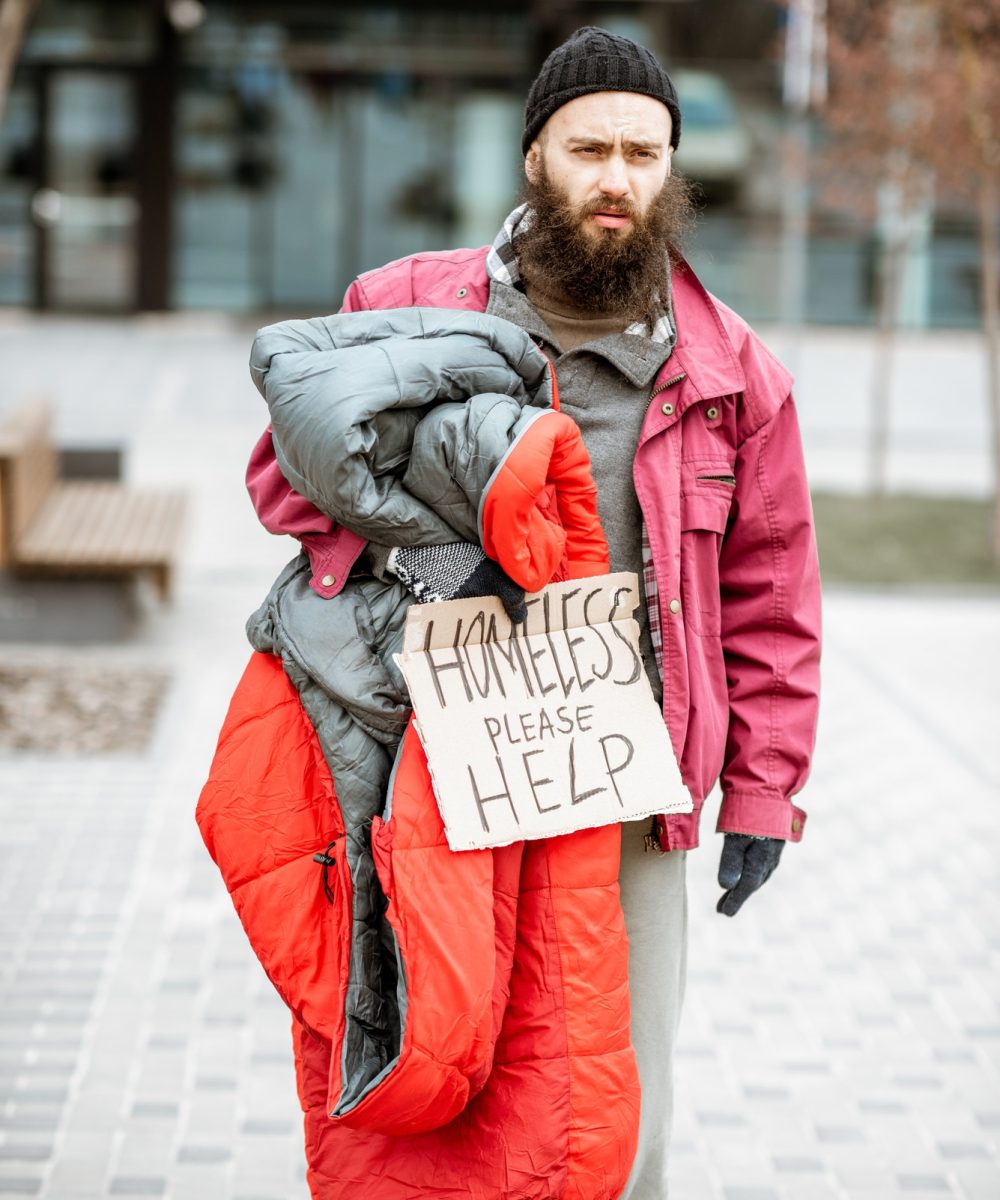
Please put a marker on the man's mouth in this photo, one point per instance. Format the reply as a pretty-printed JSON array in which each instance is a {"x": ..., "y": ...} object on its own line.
[{"x": 608, "y": 219}]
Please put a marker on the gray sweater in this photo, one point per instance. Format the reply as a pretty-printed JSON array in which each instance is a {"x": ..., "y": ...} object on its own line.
[{"x": 604, "y": 386}]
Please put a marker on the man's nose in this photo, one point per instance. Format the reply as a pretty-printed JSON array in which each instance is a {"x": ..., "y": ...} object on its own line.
[{"x": 614, "y": 181}]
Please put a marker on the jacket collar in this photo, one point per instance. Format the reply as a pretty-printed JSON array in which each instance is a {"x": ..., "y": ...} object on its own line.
[{"x": 704, "y": 351}]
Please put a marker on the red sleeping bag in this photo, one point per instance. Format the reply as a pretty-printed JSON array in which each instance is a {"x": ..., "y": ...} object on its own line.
[{"x": 514, "y": 1076}]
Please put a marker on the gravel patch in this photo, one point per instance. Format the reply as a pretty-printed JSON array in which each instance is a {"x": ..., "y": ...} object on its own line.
[{"x": 72, "y": 705}]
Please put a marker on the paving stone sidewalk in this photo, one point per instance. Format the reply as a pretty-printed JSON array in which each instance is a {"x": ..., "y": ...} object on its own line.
[{"x": 841, "y": 1036}]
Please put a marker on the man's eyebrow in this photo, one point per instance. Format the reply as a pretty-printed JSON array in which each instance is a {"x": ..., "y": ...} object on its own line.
[{"x": 631, "y": 143}]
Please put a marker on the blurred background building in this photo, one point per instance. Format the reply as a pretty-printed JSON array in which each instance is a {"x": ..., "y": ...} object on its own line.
[{"x": 254, "y": 157}]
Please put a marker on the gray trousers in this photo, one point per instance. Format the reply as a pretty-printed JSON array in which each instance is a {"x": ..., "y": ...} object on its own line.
[{"x": 654, "y": 899}]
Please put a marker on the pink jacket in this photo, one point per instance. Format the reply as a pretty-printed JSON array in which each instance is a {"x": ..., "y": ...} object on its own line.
[{"x": 719, "y": 475}]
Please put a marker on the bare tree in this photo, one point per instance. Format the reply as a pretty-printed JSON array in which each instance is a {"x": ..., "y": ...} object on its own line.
[
  {"x": 971, "y": 163},
  {"x": 879, "y": 115},
  {"x": 912, "y": 111}
]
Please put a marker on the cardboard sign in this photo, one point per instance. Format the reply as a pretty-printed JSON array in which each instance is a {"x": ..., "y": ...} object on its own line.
[{"x": 541, "y": 728}]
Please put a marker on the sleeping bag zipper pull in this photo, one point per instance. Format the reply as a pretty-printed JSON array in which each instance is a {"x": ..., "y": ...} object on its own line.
[{"x": 326, "y": 859}]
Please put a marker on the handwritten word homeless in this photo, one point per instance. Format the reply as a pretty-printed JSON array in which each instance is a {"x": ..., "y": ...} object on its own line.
[{"x": 540, "y": 728}]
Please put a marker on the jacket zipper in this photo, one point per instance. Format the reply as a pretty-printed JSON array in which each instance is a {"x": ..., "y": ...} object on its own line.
[
  {"x": 663, "y": 386},
  {"x": 730, "y": 480}
]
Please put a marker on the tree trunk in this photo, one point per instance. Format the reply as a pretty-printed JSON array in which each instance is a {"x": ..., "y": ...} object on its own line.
[
  {"x": 794, "y": 252},
  {"x": 13, "y": 22},
  {"x": 989, "y": 201},
  {"x": 893, "y": 258},
  {"x": 981, "y": 124}
]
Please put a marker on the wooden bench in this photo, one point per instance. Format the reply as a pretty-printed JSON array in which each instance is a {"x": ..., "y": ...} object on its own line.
[{"x": 50, "y": 526}]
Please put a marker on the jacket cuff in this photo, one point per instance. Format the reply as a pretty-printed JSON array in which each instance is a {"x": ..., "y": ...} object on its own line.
[{"x": 762, "y": 814}]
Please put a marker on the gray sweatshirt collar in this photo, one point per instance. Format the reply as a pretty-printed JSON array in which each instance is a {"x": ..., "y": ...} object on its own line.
[{"x": 637, "y": 358}]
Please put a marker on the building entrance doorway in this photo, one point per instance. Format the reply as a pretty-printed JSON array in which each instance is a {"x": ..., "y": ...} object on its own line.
[{"x": 86, "y": 206}]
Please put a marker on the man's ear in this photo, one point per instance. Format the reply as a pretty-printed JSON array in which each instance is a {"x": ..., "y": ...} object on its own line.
[
  {"x": 670, "y": 161},
  {"x": 532, "y": 162}
]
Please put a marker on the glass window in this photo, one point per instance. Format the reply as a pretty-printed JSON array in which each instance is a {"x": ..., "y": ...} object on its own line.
[
  {"x": 89, "y": 207},
  {"x": 75, "y": 30},
  {"x": 221, "y": 207},
  {"x": 304, "y": 157},
  {"x": 17, "y": 183},
  {"x": 955, "y": 266}
]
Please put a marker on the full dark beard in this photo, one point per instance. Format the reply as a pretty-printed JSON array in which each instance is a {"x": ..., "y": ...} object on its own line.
[{"x": 617, "y": 272}]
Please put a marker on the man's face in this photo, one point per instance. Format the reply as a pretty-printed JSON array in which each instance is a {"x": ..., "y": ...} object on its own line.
[
  {"x": 608, "y": 154},
  {"x": 607, "y": 209}
]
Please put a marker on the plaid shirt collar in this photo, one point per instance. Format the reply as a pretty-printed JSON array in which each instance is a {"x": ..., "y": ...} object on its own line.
[{"x": 501, "y": 265}]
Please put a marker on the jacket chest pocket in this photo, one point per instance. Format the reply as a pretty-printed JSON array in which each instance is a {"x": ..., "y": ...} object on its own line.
[{"x": 706, "y": 500}]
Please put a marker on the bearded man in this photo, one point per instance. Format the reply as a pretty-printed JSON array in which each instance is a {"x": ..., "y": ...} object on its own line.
[{"x": 695, "y": 451}]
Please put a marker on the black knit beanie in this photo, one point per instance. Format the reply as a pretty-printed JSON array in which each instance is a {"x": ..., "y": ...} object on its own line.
[{"x": 596, "y": 60}]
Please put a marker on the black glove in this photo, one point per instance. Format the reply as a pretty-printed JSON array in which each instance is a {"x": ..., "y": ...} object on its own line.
[
  {"x": 456, "y": 571},
  {"x": 746, "y": 863}
]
